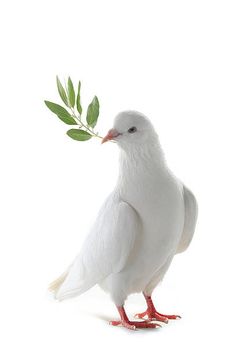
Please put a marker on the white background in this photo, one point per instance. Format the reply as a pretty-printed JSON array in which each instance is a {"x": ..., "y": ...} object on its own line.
[{"x": 172, "y": 60}]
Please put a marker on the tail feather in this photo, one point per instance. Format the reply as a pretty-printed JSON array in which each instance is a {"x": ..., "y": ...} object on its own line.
[{"x": 55, "y": 285}]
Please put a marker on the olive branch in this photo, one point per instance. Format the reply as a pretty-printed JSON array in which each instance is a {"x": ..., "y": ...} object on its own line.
[{"x": 72, "y": 115}]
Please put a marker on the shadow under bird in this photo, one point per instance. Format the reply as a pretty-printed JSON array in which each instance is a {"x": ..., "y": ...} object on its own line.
[{"x": 148, "y": 218}]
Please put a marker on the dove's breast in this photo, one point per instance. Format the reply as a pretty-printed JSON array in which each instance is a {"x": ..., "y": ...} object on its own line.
[{"x": 158, "y": 200}]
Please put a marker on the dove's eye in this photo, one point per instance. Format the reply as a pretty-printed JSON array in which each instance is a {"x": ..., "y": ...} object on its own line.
[{"x": 132, "y": 130}]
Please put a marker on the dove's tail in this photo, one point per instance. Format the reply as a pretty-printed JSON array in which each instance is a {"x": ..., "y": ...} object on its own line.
[
  {"x": 55, "y": 285},
  {"x": 73, "y": 282}
]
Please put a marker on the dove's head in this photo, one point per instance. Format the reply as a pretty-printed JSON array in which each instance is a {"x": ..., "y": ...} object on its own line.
[{"x": 131, "y": 129}]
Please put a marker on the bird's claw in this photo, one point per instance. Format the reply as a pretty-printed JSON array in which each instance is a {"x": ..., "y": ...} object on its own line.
[
  {"x": 133, "y": 325},
  {"x": 156, "y": 316}
]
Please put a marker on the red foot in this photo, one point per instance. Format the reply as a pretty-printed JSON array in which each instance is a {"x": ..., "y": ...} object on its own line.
[
  {"x": 152, "y": 314},
  {"x": 134, "y": 324},
  {"x": 125, "y": 322}
]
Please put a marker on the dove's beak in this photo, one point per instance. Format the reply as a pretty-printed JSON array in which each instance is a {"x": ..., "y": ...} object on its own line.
[{"x": 112, "y": 134}]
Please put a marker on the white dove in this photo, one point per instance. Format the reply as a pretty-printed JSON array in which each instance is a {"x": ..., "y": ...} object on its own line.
[{"x": 148, "y": 218}]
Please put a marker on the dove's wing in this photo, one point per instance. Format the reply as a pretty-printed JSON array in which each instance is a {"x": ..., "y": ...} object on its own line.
[
  {"x": 105, "y": 251},
  {"x": 190, "y": 219}
]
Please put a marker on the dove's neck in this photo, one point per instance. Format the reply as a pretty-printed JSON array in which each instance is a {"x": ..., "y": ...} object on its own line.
[{"x": 141, "y": 163}]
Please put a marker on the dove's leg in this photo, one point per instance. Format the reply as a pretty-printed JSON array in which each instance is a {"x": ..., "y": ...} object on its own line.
[
  {"x": 152, "y": 313},
  {"x": 125, "y": 322}
]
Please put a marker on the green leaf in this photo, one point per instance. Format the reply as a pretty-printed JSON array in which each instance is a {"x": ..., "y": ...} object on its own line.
[
  {"x": 62, "y": 92},
  {"x": 71, "y": 93},
  {"x": 78, "y": 104},
  {"x": 79, "y": 134},
  {"x": 93, "y": 112},
  {"x": 61, "y": 112}
]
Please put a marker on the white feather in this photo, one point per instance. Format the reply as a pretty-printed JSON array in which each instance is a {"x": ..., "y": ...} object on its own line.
[
  {"x": 106, "y": 248},
  {"x": 190, "y": 219}
]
